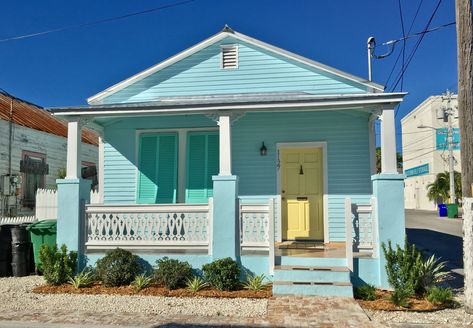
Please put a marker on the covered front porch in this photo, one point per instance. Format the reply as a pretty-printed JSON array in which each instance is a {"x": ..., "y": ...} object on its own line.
[{"x": 243, "y": 206}]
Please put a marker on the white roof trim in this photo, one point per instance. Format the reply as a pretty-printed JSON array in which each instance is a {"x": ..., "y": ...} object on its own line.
[{"x": 215, "y": 38}]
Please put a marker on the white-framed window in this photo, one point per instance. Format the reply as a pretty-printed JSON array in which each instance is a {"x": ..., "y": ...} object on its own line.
[{"x": 34, "y": 168}]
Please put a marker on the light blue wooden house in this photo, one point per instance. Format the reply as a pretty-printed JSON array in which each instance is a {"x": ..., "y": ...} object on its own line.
[{"x": 237, "y": 148}]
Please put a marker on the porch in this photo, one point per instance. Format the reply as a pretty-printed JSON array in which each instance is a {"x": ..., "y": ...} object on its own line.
[{"x": 244, "y": 216}]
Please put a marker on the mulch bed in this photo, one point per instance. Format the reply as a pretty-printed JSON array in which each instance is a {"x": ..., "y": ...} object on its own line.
[
  {"x": 153, "y": 290},
  {"x": 383, "y": 303}
]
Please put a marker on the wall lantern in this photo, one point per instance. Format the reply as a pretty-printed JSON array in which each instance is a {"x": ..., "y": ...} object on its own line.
[{"x": 263, "y": 150}]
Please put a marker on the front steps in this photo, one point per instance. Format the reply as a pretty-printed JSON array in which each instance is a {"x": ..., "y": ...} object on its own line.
[{"x": 312, "y": 276}]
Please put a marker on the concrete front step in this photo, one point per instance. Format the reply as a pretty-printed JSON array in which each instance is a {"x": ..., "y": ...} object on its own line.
[
  {"x": 341, "y": 289},
  {"x": 308, "y": 273}
]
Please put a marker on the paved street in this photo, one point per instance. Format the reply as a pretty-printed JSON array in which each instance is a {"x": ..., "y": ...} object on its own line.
[{"x": 439, "y": 236}]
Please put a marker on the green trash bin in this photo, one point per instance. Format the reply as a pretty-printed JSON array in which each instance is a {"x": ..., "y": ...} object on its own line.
[
  {"x": 42, "y": 232},
  {"x": 452, "y": 211}
]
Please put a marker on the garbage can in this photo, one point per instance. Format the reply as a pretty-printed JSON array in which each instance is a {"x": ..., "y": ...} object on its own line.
[
  {"x": 452, "y": 210},
  {"x": 42, "y": 232},
  {"x": 442, "y": 210}
]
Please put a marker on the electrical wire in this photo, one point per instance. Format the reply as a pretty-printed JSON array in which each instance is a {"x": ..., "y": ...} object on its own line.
[
  {"x": 419, "y": 41},
  {"x": 410, "y": 159},
  {"x": 100, "y": 21},
  {"x": 408, "y": 32}
]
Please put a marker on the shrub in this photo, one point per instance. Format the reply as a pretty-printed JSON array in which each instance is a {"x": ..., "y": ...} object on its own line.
[
  {"x": 172, "y": 273},
  {"x": 440, "y": 296},
  {"x": 400, "y": 296},
  {"x": 140, "y": 282},
  {"x": 407, "y": 269},
  {"x": 366, "y": 292},
  {"x": 118, "y": 268},
  {"x": 222, "y": 274},
  {"x": 255, "y": 283},
  {"x": 195, "y": 284},
  {"x": 57, "y": 265},
  {"x": 82, "y": 279},
  {"x": 431, "y": 273}
]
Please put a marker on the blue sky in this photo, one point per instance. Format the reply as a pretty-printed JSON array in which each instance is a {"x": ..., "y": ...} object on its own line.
[{"x": 65, "y": 68}]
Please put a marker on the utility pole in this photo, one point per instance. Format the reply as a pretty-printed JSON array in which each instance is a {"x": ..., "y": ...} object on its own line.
[
  {"x": 464, "y": 18},
  {"x": 448, "y": 114}
]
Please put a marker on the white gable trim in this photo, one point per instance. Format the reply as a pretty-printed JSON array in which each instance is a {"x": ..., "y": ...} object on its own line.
[{"x": 215, "y": 38}]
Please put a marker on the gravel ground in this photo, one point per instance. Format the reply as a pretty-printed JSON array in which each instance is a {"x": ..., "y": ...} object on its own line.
[
  {"x": 447, "y": 317},
  {"x": 16, "y": 295}
]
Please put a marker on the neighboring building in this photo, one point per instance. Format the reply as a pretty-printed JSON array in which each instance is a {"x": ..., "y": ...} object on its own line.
[
  {"x": 236, "y": 148},
  {"x": 425, "y": 150},
  {"x": 32, "y": 152}
]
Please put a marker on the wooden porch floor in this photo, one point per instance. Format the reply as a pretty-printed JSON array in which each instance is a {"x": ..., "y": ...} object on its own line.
[{"x": 310, "y": 249}]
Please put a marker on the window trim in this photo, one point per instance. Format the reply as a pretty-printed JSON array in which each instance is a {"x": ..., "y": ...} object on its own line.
[
  {"x": 24, "y": 155},
  {"x": 181, "y": 156}
]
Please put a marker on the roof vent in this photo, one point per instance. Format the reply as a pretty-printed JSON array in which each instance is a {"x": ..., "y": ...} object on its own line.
[{"x": 229, "y": 56}]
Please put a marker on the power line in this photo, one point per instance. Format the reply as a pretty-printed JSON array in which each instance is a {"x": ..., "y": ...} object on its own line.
[
  {"x": 410, "y": 159},
  {"x": 401, "y": 74},
  {"x": 100, "y": 21},
  {"x": 408, "y": 32}
]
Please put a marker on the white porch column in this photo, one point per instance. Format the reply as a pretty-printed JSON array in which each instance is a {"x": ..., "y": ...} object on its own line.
[
  {"x": 100, "y": 171},
  {"x": 225, "y": 146},
  {"x": 74, "y": 136},
  {"x": 388, "y": 141},
  {"x": 372, "y": 142}
]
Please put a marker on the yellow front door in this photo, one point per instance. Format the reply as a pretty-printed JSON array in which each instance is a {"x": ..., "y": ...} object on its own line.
[{"x": 302, "y": 193}]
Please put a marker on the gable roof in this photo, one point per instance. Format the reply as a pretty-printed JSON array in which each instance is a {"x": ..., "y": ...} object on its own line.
[
  {"x": 218, "y": 37},
  {"x": 35, "y": 117}
]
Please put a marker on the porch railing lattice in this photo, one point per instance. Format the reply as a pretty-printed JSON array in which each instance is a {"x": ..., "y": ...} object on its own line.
[
  {"x": 360, "y": 229},
  {"x": 149, "y": 226}
]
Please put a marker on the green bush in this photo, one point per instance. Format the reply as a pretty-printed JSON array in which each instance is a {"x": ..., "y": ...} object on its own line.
[
  {"x": 141, "y": 281},
  {"x": 440, "y": 296},
  {"x": 255, "y": 283},
  {"x": 400, "y": 296},
  {"x": 118, "y": 268},
  {"x": 82, "y": 279},
  {"x": 57, "y": 265},
  {"x": 407, "y": 270},
  {"x": 366, "y": 292},
  {"x": 195, "y": 284},
  {"x": 223, "y": 274},
  {"x": 172, "y": 273}
]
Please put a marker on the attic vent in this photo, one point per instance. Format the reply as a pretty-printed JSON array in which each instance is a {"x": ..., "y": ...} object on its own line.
[{"x": 229, "y": 56}]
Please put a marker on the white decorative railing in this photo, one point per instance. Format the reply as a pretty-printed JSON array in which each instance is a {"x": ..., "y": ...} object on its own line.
[
  {"x": 257, "y": 228},
  {"x": 361, "y": 226},
  {"x": 169, "y": 226},
  {"x": 17, "y": 220}
]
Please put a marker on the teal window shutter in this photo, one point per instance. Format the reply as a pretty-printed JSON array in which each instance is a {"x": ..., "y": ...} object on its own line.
[
  {"x": 157, "y": 165},
  {"x": 202, "y": 164}
]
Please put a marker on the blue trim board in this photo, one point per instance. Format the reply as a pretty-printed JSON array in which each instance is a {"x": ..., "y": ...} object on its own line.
[{"x": 418, "y": 170}]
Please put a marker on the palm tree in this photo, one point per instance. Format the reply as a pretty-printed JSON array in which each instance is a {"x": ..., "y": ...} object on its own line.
[{"x": 439, "y": 190}]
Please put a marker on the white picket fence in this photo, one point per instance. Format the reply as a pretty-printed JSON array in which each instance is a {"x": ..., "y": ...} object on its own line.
[
  {"x": 17, "y": 219},
  {"x": 46, "y": 203}
]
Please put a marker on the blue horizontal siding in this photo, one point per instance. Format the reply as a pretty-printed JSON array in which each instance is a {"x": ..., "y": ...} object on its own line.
[
  {"x": 346, "y": 134},
  {"x": 258, "y": 70}
]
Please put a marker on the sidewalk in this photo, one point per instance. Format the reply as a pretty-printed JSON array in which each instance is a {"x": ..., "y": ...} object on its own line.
[{"x": 282, "y": 312}]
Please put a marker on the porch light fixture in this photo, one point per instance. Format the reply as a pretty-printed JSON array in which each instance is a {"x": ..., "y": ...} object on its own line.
[{"x": 263, "y": 150}]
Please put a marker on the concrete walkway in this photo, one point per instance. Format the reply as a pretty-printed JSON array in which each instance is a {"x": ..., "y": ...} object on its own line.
[{"x": 282, "y": 312}]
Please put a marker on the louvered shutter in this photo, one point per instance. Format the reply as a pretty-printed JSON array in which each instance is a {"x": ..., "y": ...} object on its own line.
[
  {"x": 157, "y": 169},
  {"x": 202, "y": 164},
  {"x": 147, "y": 179}
]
